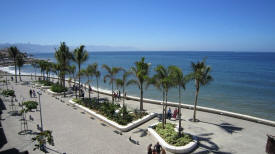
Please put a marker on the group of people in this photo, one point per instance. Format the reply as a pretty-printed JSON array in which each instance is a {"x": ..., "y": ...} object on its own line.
[
  {"x": 157, "y": 149},
  {"x": 117, "y": 95},
  {"x": 32, "y": 93},
  {"x": 174, "y": 115}
]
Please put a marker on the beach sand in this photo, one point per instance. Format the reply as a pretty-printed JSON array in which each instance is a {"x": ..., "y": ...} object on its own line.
[{"x": 75, "y": 131}]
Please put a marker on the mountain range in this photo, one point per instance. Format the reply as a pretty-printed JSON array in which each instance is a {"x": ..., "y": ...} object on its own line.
[{"x": 37, "y": 48}]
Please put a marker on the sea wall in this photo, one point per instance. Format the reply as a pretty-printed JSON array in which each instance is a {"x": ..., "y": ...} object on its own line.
[{"x": 186, "y": 106}]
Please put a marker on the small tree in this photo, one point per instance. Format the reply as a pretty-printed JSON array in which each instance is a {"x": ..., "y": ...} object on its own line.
[
  {"x": 42, "y": 139},
  {"x": 202, "y": 77},
  {"x": 111, "y": 73},
  {"x": 13, "y": 52},
  {"x": 20, "y": 62},
  {"x": 123, "y": 82},
  {"x": 141, "y": 73}
]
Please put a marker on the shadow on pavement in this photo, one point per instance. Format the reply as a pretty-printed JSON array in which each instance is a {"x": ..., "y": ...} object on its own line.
[
  {"x": 229, "y": 128},
  {"x": 208, "y": 146},
  {"x": 3, "y": 139},
  {"x": 13, "y": 151},
  {"x": 144, "y": 132}
]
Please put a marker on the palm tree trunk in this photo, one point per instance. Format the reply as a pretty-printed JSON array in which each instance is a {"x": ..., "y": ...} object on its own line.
[
  {"x": 141, "y": 98},
  {"x": 15, "y": 69},
  {"x": 35, "y": 74},
  {"x": 19, "y": 73},
  {"x": 112, "y": 91},
  {"x": 79, "y": 80},
  {"x": 196, "y": 100},
  {"x": 123, "y": 90},
  {"x": 179, "y": 109},
  {"x": 89, "y": 88},
  {"x": 165, "y": 108},
  {"x": 97, "y": 90},
  {"x": 163, "y": 99}
]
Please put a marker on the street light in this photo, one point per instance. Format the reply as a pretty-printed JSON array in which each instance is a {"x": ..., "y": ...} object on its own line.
[{"x": 39, "y": 93}]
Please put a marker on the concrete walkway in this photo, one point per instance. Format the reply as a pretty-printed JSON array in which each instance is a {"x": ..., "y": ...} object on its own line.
[{"x": 77, "y": 132}]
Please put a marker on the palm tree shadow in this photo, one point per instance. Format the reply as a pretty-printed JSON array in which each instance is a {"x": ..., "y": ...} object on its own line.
[
  {"x": 208, "y": 146},
  {"x": 229, "y": 128},
  {"x": 143, "y": 132}
]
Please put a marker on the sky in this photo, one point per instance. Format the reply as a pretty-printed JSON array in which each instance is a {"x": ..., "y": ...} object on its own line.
[{"x": 168, "y": 25}]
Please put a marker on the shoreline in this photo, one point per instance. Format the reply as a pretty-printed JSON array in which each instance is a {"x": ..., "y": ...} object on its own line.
[{"x": 174, "y": 104}]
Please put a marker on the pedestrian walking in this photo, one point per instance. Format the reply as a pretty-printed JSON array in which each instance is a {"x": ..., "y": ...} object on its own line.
[
  {"x": 149, "y": 149},
  {"x": 119, "y": 94},
  {"x": 31, "y": 93},
  {"x": 158, "y": 148}
]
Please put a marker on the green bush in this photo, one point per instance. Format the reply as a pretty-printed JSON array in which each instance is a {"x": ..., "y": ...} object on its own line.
[
  {"x": 123, "y": 117},
  {"x": 46, "y": 82},
  {"x": 30, "y": 105},
  {"x": 8, "y": 93},
  {"x": 171, "y": 136},
  {"x": 58, "y": 88}
]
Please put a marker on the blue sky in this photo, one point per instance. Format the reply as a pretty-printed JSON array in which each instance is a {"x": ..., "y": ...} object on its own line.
[{"x": 218, "y": 25}]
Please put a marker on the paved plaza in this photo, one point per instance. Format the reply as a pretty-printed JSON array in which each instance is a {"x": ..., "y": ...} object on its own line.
[{"x": 77, "y": 132}]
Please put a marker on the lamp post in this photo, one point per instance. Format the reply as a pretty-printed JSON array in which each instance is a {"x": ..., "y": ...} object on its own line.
[{"x": 39, "y": 93}]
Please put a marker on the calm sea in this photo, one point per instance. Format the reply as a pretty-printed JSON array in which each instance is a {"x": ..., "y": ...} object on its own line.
[{"x": 243, "y": 82}]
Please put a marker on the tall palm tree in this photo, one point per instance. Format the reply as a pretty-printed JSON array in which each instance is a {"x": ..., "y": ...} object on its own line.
[
  {"x": 141, "y": 73},
  {"x": 63, "y": 57},
  {"x": 123, "y": 82},
  {"x": 111, "y": 73},
  {"x": 202, "y": 77},
  {"x": 97, "y": 74},
  {"x": 89, "y": 73},
  {"x": 35, "y": 65},
  {"x": 80, "y": 55},
  {"x": 20, "y": 62},
  {"x": 13, "y": 51},
  {"x": 163, "y": 81},
  {"x": 72, "y": 72},
  {"x": 42, "y": 65},
  {"x": 178, "y": 81}
]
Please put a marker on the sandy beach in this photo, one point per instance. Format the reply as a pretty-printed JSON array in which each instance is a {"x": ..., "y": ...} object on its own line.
[{"x": 75, "y": 131}]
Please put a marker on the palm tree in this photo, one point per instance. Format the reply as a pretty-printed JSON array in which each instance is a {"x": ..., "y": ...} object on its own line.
[
  {"x": 19, "y": 62},
  {"x": 42, "y": 65},
  {"x": 97, "y": 74},
  {"x": 178, "y": 81},
  {"x": 63, "y": 57},
  {"x": 111, "y": 73},
  {"x": 141, "y": 72},
  {"x": 72, "y": 71},
  {"x": 162, "y": 81},
  {"x": 202, "y": 77},
  {"x": 123, "y": 82},
  {"x": 13, "y": 51},
  {"x": 80, "y": 56},
  {"x": 89, "y": 72},
  {"x": 35, "y": 66}
]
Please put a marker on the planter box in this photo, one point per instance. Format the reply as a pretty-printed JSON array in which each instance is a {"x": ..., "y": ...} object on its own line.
[
  {"x": 174, "y": 149},
  {"x": 57, "y": 94},
  {"x": 37, "y": 85},
  {"x": 122, "y": 128},
  {"x": 45, "y": 87}
]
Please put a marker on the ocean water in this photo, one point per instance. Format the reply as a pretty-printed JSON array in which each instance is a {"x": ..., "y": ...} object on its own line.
[{"x": 244, "y": 82}]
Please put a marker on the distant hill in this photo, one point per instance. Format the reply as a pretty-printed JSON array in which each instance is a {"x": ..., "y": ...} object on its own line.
[{"x": 37, "y": 48}]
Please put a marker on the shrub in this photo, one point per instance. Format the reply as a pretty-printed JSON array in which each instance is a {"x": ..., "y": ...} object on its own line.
[
  {"x": 58, "y": 88},
  {"x": 46, "y": 82},
  {"x": 171, "y": 136},
  {"x": 123, "y": 117},
  {"x": 30, "y": 105},
  {"x": 8, "y": 93}
]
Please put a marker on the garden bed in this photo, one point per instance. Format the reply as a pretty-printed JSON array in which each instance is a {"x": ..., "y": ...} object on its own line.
[
  {"x": 114, "y": 121},
  {"x": 185, "y": 144},
  {"x": 58, "y": 94}
]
